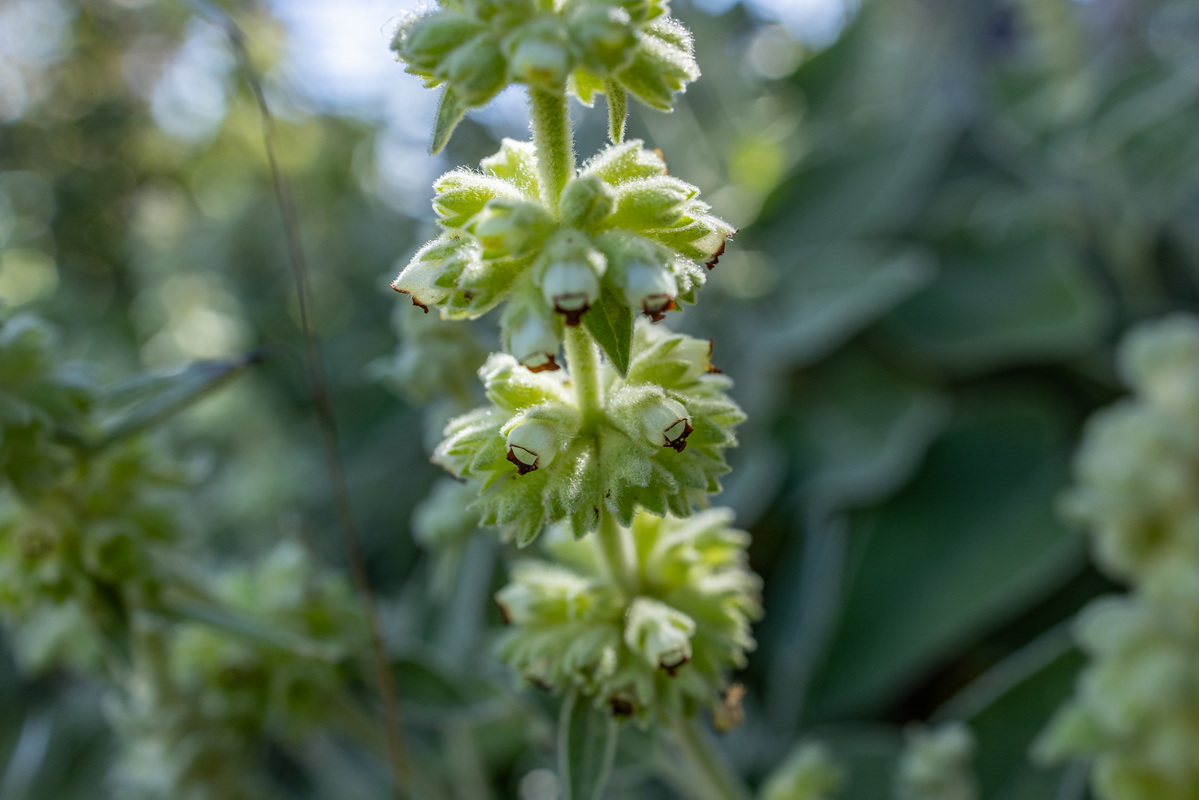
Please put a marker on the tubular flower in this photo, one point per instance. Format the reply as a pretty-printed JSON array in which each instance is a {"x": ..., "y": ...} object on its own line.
[
  {"x": 657, "y": 441},
  {"x": 624, "y": 235},
  {"x": 663, "y": 646}
]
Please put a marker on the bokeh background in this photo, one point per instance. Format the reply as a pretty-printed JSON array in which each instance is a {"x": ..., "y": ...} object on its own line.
[{"x": 950, "y": 213}]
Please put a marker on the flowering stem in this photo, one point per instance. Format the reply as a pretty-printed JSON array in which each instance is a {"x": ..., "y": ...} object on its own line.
[
  {"x": 618, "y": 552},
  {"x": 554, "y": 141},
  {"x": 709, "y": 766},
  {"x": 583, "y": 361}
]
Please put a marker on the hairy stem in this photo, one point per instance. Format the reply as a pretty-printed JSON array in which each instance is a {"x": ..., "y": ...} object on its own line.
[
  {"x": 617, "y": 550},
  {"x": 618, "y": 110},
  {"x": 713, "y": 774},
  {"x": 554, "y": 140},
  {"x": 583, "y": 361}
]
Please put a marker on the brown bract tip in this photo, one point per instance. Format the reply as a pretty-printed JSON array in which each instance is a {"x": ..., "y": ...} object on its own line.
[
  {"x": 658, "y": 152},
  {"x": 415, "y": 302},
  {"x": 573, "y": 315},
  {"x": 729, "y": 713},
  {"x": 712, "y": 370},
  {"x": 657, "y": 312},
  {"x": 503, "y": 613},
  {"x": 715, "y": 259}
]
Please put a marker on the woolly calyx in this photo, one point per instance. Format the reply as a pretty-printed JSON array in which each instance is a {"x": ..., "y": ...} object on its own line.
[
  {"x": 623, "y": 227},
  {"x": 658, "y": 651},
  {"x": 475, "y": 49},
  {"x": 658, "y": 442}
]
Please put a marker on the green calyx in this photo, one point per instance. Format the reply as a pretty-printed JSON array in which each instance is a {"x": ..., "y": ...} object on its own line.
[
  {"x": 657, "y": 440},
  {"x": 586, "y": 47},
  {"x": 659, "y": 649},
  {"x": 625, "y": 237}
]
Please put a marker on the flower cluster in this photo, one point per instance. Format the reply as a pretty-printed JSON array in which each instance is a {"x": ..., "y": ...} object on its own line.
[
  {"x": 622, "y": 234},
  {"x": 475, "y": 48},
  {"x": 808, "y": 773},
  {"x": 935, "y": 764},
  {"x": 656, "y": 646},
  {"x": 657, "y": 440},
  {"x": 1135, "y": 710},
  {"x": 43, "y": 404},
  {"x": 76, "y": 560},
  {"x": 200, "y": 703}
]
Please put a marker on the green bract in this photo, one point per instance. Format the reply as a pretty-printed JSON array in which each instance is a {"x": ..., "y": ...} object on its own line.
[
  {"x": 586, "y": 47},
  {"x": 625, "y": 236},
  {"x": 660, "y": 647},
  {"x": 658, "y": 440}
]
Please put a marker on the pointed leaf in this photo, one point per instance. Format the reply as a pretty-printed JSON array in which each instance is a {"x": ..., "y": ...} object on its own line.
[
  {"x": 611, "y": 323},
  {"x": 152, "y": 397},
  {"x": 450, "y": 112},
  {"x": 618, "y": 110},
  {"x": 586, "y": 748}
]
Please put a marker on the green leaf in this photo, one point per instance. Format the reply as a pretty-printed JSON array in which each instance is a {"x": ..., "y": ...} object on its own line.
[
  {"x": 152, "y": 397},
  {"x": 610, "y": 322},
  {"x": 936, "y": 568},
  {"x": 1024, "y": 299},
  {"x": 1009, "y": 706},
  {"x": 586, "y": 748},
  {"x": 450, "y": 111}
]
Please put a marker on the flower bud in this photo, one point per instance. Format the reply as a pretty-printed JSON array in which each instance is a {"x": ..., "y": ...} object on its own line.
[
  {"x": 586, "y": 201},
  {"x": 605, "y": 35},
  {"x": 424, "y": 41},
  {"x": 665, "y": 422},
  {"x": 625, "y": 162},
  {"x": 532, "y": 444},
  {"x": 506, "y": 11},
  {"x": 476, "y": 70},
  {"x": 809, "y": 773},
  {"x": 570, "y": 287},
  {"x": 659, "y": 634},
  {"x": 462, "y": 194},
  {"x": 651, "y": 203},
  {"x": 424, "y": 279},
  {"x": 662, "y": 65},
  {"x": 539, "y": 55},
  {"x": 1161, "y": 361},
  {"x": 507, "y": 228},
  {"x": 530, "y": 336},
  {"x": 516, "y": 163},
  {"x": 650, "y": 288}
]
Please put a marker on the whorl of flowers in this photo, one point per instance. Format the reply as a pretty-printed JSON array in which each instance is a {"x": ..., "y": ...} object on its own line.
[
  {"x": 623, "y": 233},
  {"x": 1135, "y": 712},
  {"x": 475, "y": 48},
  {"x": 657, "y": 645},
  {"x": 656, "y": 440},
  {"x": 936, "y": 764}
]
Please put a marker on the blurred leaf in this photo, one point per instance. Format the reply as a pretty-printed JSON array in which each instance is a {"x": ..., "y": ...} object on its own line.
[
  {"x": 862, "y": 185},
  {"x": 972, "y": 541},
  {"x": 867, "y": 754},
  {"x": 611, "y": 323},
  {"x": 430, "y": 684},
  {"x": 1009, "y": 706},
  {"x": 586, "y": 746},
  {"x": 1018, "y": 301},
  {"x": 152, "y": 397},
  {"x": 861, "y": 428},
  {"x": 450, "y": 111},
  {"x": 833, "y": 291}
]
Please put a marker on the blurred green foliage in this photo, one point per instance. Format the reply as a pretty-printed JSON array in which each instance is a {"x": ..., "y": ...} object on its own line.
[{"x": 950, "y": 214}]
